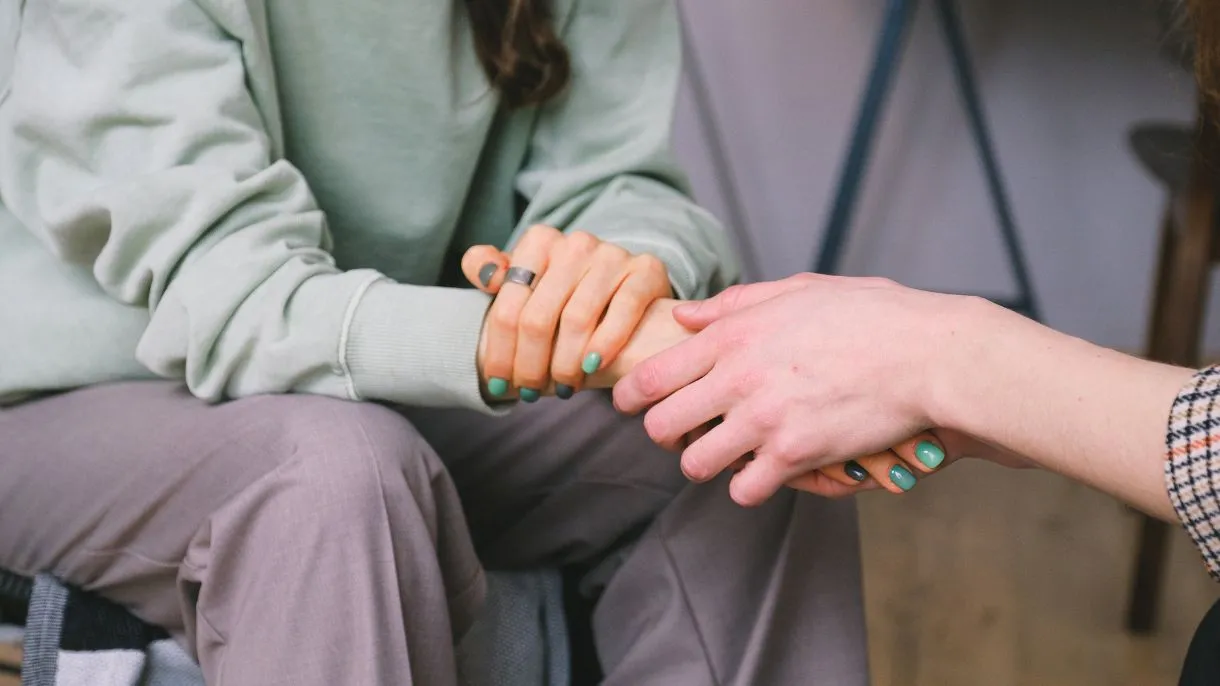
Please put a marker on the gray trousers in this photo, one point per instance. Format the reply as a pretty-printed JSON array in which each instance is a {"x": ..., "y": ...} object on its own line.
[{"x": 303, "y": 540}]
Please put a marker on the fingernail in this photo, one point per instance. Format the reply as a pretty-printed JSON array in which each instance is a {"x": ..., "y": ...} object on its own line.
[
  {"x": 929, "y": 454},
  {"x": 529, "y": 395},
  {"x": 591, "y": 363},
  {"x": 564, "y": 391},
  {"x": 855, "y": 471},
  {"x": 902, "y": 477},
  {"x": 486, "y": 272},
  {"x": 497, "y": 387}
]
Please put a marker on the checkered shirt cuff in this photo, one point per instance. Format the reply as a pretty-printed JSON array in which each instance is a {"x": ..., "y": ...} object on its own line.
[{"x": 1192, "y": 472}]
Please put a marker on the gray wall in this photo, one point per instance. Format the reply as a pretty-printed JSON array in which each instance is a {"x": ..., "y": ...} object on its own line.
[{"x": 1063, "y": 80}]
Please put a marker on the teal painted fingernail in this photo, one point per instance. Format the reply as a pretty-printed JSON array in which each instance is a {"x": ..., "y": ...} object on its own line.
[
  {"x": 591, "y": 363},
  {"x": 529, "y": 395},
  {"x": 902, "y": 477},
  {"x": 564, "y": 391},
  {"x": 929, "y": 454},
  {"x": 855, "y": 471},
  {"x": 497, "y": 387},
  {"x": 486, "y": 272}
]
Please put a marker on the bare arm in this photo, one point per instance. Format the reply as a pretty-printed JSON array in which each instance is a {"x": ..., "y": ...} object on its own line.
[
  {"x": 815, "y": 371},
  {"x": 1083, "y": 411}
]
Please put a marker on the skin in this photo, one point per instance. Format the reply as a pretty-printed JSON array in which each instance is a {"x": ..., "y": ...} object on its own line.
[
  {"x": 589, "y": 296},
  {"x": 813, "y": 371},
  {"x": 583, "y": 281}
]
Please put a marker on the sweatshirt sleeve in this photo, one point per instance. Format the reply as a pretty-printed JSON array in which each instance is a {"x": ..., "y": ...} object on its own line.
[
  {"x": 1192, "y": 470},
  {"x": 130, "y": 142},
  {"x": 600, "y": 159}
]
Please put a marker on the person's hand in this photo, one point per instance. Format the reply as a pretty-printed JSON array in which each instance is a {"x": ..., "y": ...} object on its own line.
[
  {"x": 926, "y": 454},
  {"x": 658, "y": 331},
  {"x": 586, "y": 300},
  {"x": 807, "y": 373},
  {"x": 896, "y": 470}
]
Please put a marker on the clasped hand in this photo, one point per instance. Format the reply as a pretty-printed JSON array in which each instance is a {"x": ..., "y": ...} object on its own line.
[
  {"x": 595, "y": 311},
  {"x": 569, "y": 329}
]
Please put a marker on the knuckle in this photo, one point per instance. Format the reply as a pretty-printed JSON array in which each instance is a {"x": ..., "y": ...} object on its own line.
[
  {"x": 503, "y": 319},
  {"x": 577, "y": 318},
  {"x": 765, "y": 417},
  {"x": 582, "y": 241},
  {"x": 648, "y": 380},
  {"x": 541, "y": 230},
  {"x": 649, "y": 264},
  {"x": 789, "y": 452},
  {"x": 743, "y": 385},
  {"x": 530, "y": 380},
  {"x": 804, "y": 277},
  {"x": 733, "y": 295},
  {"x": 567, "y": 374},
  {"x": 633, "y": 299},
  {"x": 610, "y": 251},
  {"x": 537, "y": 323}
]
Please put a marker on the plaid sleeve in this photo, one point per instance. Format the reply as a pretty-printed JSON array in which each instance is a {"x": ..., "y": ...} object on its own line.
[{"x": 1192, "y": 472}]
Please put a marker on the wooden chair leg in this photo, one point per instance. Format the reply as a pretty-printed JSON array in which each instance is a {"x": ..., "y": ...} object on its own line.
[
  {"x": 1174, "y": 331},
  {"x": 1151, "y": 543},
  {"x": 1150, "y": 561}
]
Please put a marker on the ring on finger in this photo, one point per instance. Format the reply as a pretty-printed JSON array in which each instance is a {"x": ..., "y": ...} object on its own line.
[{"x": 520, "y": 276}]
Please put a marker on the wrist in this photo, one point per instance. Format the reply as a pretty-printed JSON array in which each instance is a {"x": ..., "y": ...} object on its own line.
[{"x": 966, "y": 357}]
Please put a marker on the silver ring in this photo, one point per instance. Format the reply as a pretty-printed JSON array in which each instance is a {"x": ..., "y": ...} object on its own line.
[{"x": 520, "y": 275}]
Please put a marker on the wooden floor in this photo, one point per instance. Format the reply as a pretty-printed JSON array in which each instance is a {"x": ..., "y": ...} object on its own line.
[
  {"x": 985, "y": 576},
  {"x": 10, "y": 654}
]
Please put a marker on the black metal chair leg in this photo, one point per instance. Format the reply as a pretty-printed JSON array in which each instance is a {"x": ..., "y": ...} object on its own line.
[
  {"x": 955, "y": 36},
  {"x": 894, "y": 29}
]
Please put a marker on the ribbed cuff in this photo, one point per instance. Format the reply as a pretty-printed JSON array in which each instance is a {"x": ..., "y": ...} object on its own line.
[{"x": 416, "y": 346}]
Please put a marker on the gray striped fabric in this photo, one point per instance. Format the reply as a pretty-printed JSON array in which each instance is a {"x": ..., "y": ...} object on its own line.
[{"x": 43, "y": 623}]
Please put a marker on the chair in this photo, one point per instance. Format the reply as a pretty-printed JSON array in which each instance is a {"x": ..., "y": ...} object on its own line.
[{"x": 1185, "y": 159}]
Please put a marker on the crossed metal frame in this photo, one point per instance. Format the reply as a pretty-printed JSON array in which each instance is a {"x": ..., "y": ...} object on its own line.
[{"x": 895, "y": 27}]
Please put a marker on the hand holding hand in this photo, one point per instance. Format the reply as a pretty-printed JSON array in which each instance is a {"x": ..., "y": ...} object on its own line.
[{"x": 807, "y": 373}]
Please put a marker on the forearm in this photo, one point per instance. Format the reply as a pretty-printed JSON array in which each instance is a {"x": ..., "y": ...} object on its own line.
[{"x": 1086, "y": 412}]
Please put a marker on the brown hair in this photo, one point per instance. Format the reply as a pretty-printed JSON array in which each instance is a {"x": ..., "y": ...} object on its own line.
[{"x": 522, "y": 54}]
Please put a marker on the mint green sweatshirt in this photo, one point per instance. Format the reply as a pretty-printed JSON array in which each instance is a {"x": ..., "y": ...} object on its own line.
[{"x": 264, "y": 196}]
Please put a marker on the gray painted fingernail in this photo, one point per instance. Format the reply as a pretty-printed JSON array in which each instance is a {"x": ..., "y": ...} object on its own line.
[
  {"x": 855, "y": 471},
  {"x": 564, "y": 391},
  {"x": 486, "y": 272}
]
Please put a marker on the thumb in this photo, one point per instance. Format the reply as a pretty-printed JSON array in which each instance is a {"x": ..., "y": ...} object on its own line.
[
  {"x": 698, "y": 315},
  {"x": 484, "y": 267}
]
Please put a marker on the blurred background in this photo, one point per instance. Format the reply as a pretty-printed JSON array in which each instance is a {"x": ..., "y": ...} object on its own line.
[{"x": 977, "y": 576}]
